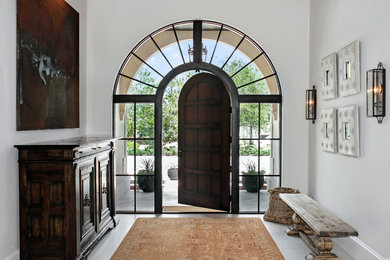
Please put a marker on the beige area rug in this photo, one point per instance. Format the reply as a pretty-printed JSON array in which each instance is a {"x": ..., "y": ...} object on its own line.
[
  {"x": 198, "y": 239},
  {"x": 189, "y": 209}
]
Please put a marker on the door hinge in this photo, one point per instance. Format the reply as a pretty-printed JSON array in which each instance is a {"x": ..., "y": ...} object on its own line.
[
  {"x": 230, "y": 168},
  {"x": 230, "y": 197},
  {"x": 230, "y": 139},
  {"x": 230, "y": 110}
]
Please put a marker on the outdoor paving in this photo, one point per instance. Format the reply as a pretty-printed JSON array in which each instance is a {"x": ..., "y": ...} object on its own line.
[{"x": 145, "y": 200}]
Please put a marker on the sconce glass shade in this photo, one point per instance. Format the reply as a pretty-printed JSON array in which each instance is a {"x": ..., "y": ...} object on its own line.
[
  {"x": 311, "y": 104},
  {"x": 376, "y": 93}
]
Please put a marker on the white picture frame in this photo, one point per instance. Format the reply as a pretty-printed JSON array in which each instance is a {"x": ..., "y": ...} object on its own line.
[
  {"x": 328, "y": 130},
  {"x": 348, "y": 131},
  {"x": 349, "y": 69},
  {"x": 329, "y": 77}
]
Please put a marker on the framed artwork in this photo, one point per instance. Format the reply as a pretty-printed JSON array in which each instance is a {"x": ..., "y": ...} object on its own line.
[
  {"x": 349, "y": 69},
  {"x": 47, "y": 65},
  {"x": 348, "y": 130},
  {"x": 328, "y": 130},
  {"x": 329, "y": 77}
]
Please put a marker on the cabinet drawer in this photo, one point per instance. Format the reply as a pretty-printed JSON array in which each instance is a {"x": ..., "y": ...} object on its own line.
[{"x": 89, "y": 150}]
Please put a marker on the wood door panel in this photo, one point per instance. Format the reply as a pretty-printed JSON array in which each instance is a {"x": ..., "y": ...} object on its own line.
[{"x": 204, "y": 143}]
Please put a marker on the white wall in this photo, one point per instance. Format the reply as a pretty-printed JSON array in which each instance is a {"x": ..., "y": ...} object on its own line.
[
  {"x": 355, "y": 189},
  {"x": 9, "y": 202},
  {"x": 280, "y": 27}
]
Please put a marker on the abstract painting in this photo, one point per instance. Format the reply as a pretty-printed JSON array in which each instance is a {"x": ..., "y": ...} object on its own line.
[
  {"x": 47, "y": 65},
  {"x": 348, "y": 130}
]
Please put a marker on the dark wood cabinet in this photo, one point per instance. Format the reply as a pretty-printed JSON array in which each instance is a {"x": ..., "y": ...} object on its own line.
[{"x": 67, "y": 196}]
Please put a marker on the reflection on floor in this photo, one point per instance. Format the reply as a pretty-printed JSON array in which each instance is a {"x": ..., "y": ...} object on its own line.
[
  {"x": 145, "y": 200},
  {"x": 293, "y": 248}
]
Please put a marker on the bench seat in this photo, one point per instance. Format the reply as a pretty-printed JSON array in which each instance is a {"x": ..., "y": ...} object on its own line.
[{"x": 312, "y": 218}]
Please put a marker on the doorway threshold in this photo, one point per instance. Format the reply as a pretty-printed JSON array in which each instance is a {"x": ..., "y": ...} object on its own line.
[{"x": 189, "y": 209}]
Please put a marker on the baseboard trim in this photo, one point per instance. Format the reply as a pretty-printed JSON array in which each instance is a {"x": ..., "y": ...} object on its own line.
[
  {"x": 13, "y": 256},
  {"x": 358, "y": 249}
]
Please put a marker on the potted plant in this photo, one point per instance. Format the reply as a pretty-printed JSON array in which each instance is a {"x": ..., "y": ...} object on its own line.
[
  {"x": 250, "y": 181},
  {"x": 145, "y": 178},
  {"x": 173, "y": 172}
]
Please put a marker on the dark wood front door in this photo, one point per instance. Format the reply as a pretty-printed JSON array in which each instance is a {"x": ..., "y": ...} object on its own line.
[{"x": 204, "y": 143}]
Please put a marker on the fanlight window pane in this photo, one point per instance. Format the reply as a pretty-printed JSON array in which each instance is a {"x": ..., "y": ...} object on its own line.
[
  {"x": 222, "y": 53},
  {"x": 145, "y": 83},
  {"x": 210, "y": 32},
  {"x": 166, "y": 40},
  {"x": 158, "y": 62},
  {"x": 229, "y": 39},
  {"x": 185, "y": 35},
  {"x": 247, "y": 75}
]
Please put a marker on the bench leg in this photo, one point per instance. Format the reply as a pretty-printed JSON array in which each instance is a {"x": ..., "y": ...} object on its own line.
[
  {"x": 298, "y": 226},
  {"x": 320, "y": 246}
]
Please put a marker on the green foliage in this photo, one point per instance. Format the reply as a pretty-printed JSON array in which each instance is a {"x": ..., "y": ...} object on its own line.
[
  {"x": 171, "y": 107},
  {"x": 249, "y": 113},
  {"x": 252, "y": 150},
  {"x": 169, "y": 151},
  {"x": 144, "y": 150}
]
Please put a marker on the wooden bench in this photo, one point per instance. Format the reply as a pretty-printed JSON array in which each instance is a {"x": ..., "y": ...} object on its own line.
[{"x": 311, "y": 218}]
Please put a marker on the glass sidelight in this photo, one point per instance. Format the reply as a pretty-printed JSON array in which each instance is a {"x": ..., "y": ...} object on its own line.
[
  {"x": 135, "y": 167},
  {"x": 259, "y": 154}
]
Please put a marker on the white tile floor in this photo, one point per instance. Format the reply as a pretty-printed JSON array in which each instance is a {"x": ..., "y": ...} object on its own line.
[{"x": 293, "y": 248}]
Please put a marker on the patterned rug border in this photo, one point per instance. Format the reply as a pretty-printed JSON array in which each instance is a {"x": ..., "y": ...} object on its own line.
[{"x": 125, "y": 241}]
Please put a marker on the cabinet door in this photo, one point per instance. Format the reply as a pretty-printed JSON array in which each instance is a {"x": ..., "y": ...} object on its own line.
[
  {"x": 87, "y": 201},
  {"x": 103, "y": 192}
]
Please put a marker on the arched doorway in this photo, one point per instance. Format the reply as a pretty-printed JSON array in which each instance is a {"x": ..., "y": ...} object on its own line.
[{"x": 254, "y": 89}]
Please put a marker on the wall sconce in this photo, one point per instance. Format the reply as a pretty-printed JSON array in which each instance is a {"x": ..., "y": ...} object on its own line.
[
  {"x": 376, "y": 93},
  {"x": 311, "y": 104}
]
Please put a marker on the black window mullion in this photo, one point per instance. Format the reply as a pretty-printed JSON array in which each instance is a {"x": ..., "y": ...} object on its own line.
[
  {"x": 159, "y": 49},
  {"x": 144, "y": 62},
  {"x": 216, "y": 43},
  {"x": 197, "y": 38},
  {"x": 147, "y": 84},
  {"x": 238, "y": 45},
  {"x": 135, "y": 158},
  {"x": 246, "y": 65},
  {"x": 178, "y": 44},
  {"x": 263, "y": 78},
  {"x": 258, "y": 157}
]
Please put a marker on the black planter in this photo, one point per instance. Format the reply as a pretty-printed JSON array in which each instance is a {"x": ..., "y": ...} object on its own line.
[
  {"x": 251, "y": 183},
  {"x": 146, "y": 183}
]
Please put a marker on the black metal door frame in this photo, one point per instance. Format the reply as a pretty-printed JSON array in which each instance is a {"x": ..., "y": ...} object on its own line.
[{"x": 232, "y": 90}]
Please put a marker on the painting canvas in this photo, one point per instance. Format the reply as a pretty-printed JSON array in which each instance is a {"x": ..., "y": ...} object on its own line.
[
  {"x": 329, "y": 77},
  {"x": 348, "y": 130},
  {"x": 328, "y": 130},
  {"x": 48, "y": 65}
]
